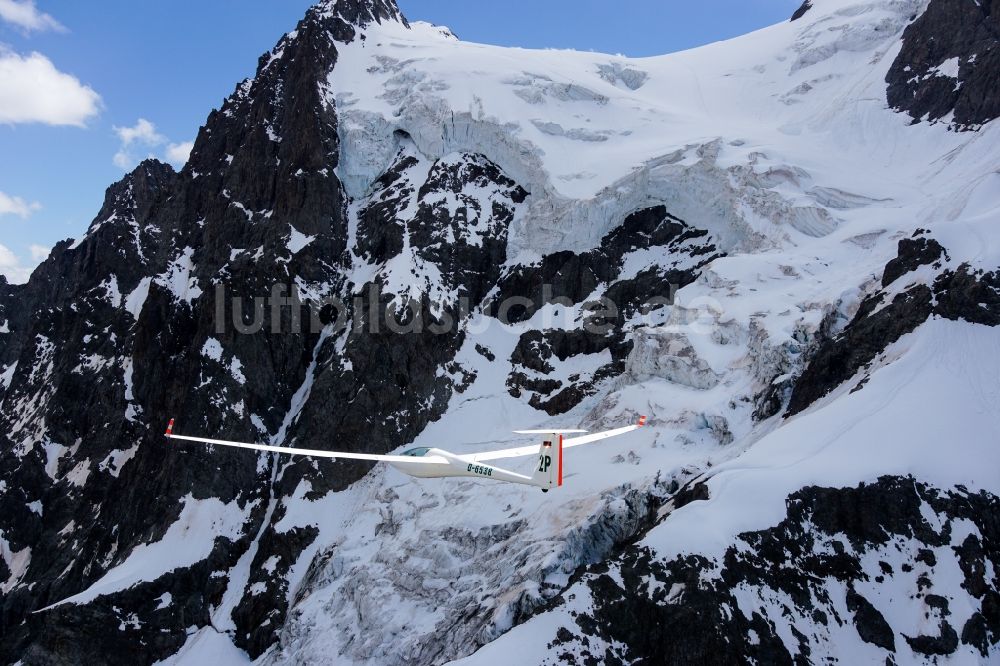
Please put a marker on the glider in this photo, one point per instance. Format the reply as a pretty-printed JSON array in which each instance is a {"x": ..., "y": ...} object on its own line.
[{"x": 427, "y": 462}]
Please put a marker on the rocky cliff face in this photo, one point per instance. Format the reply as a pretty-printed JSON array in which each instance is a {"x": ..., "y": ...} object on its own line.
[
  {"x": 958, "y": 293},
  {"x": 387, "y": 238},
  {"x": 117, "y": 332},
  {"x": 947, "y": 67},
  {"x": 812, "y": 578}
]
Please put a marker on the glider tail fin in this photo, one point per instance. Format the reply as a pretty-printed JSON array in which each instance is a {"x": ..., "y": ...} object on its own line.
[{"x": 549, "y": 468}]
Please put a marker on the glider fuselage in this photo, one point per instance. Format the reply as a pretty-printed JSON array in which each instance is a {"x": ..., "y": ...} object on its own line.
[{"x": 455, "y": 465}]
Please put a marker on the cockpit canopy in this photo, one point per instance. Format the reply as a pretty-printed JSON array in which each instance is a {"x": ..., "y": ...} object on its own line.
[{"x": 417, "y": 452}]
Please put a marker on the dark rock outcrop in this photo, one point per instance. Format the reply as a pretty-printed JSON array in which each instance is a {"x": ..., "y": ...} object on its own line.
[
  {"x": 531, "y": 366},
  {"x": 867, "y": 336},
  {"x": 870, "y": 623},
  {"x": 798, "y": 575},
  {"x": 912, "y": 253},
  {"x": 961, "y": 293},
  {"x": 801, "y": 11},
  {"x": 948, "y": 64},
  {"x": 569, "y": 279}
]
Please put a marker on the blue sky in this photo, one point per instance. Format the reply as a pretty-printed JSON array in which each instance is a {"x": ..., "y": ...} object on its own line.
[{"x": 108, "y": 64}]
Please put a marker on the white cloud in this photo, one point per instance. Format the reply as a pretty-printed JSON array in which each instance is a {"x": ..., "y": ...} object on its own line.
[
  {"x": 39, "y": 253},
  {"x": 14, "y": 269},
  {"x": 123, "y": 160},
  {"x": 11, "y": 267},
  {"x": 10, "y": 205},
  {"x": 178, "y": 153},
  {"x": 32, "y": 90},
  {"x": 142, "y": 135},
  {"x": 25, "y": 15},
  {"x": 141, "y": 139}
]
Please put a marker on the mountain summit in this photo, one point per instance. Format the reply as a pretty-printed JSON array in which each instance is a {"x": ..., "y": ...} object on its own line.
[{"x": 360, "y": 12}]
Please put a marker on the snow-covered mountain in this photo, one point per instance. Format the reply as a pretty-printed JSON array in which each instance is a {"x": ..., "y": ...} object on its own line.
[{"x": 797, "y": 228}]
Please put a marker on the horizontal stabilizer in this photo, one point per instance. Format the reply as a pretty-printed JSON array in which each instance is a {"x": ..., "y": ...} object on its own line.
[
  {"x": 550, "y": 431},
  {"x": 566, "y": 443}
]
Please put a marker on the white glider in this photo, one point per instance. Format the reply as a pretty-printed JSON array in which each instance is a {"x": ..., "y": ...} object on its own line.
[{"x": 426, "y": 462}]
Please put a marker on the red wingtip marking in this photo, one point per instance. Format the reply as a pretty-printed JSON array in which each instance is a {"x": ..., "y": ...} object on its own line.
[
  {"x": 170, "y": 428},
  {"x": 560, "y": 459},
  {"x": 642, "y": 420}
]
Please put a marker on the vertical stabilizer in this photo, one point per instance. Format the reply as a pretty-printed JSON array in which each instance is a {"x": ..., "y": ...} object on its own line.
[{"x": 548, "y": 465}]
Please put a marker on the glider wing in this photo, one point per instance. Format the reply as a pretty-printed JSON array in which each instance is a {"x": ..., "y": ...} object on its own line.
[
  {"x": 316, "y": 453},
  {"x": 573, "y": 441}
]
